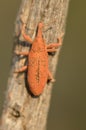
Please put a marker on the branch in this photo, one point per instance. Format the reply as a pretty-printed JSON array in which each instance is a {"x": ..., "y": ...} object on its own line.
[{"x": 21, "y": 110}]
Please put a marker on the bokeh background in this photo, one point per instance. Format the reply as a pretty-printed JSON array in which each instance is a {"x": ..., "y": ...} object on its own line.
[{"x": 68, "y": 103}]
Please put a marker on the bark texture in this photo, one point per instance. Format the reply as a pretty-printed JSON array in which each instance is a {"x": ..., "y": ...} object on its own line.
[{"x": 22, "y": 111}]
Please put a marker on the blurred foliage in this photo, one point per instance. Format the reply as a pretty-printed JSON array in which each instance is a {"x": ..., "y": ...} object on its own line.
[{"x": 68, "y": 103}]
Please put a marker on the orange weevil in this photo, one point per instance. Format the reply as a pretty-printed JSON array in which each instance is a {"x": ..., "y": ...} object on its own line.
[{"x": 38, "y": 72}]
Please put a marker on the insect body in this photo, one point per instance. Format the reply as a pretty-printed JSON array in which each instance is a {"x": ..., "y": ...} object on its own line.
[{"x": 38, "y": 72}]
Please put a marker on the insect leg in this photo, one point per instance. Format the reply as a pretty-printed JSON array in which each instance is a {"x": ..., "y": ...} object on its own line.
[
  {"x": 50, "y": 77},
  {"x": 55, "y": 45},
  {"x": 26, "y": 37},
  {"x": 22, "y": 53},
  {"x": 21, "y": 69},
  {"x": 51, "y": 50}
]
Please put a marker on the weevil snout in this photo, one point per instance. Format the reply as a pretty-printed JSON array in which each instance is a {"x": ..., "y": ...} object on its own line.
[{"x": 40, "y": 25}]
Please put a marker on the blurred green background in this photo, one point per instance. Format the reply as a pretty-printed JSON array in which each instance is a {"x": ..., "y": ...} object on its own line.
[{"x": 68, "y": 103}]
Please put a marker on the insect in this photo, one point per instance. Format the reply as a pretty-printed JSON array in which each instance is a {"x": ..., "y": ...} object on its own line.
[{"x": 37, "y": 68}]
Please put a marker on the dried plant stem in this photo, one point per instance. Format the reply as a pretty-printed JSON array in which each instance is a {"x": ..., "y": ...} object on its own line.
[{"x": 21, "y": 110}]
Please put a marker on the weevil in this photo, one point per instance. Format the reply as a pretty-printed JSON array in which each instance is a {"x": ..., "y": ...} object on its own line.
[{"x": 37, "y": 69}]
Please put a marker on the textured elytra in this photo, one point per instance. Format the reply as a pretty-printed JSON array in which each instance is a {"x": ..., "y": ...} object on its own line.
[{"x": 37, "y": 66}]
